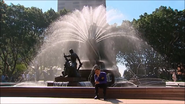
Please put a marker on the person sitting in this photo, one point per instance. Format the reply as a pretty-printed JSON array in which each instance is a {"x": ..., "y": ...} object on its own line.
[{"x": 100, "y": 82}]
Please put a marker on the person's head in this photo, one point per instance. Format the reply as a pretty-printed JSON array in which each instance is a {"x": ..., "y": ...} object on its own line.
[
  {"x": 71, "y": 51},
  {"x": 178, "y": 68},
  {"x": 97, "y": 70}
]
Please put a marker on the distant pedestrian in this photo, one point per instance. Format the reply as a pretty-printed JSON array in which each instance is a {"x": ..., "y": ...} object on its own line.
[
  {"x": 23, "y": 77},
  {"x": 2, "y": 78},
  {"x": 6, "y": 78},
  {"x": 179, "y": 73},
  {"x": 174, "y": 77},
  {"x": 28, "y": 76}
]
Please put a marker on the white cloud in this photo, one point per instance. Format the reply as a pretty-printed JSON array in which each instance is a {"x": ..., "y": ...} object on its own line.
[{"x": 115, "y": 16}]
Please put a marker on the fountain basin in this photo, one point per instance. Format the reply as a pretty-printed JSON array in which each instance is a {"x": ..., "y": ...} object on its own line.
[
  {"x": 7, "y": 83},
  {"x": 172, "y": 93}
]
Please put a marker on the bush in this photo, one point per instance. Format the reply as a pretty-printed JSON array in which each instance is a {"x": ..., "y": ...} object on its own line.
[{"x": 20, "y": 68}]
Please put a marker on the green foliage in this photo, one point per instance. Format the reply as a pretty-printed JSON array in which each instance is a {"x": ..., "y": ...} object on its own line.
[
  {"x": 63, "y": 12},
  {"x": 127, "y": 74},
  {"x": 135, "y": 54},
  {"x": 51, "y": 16},
  {"x": 21, "y": 68},
  {"x": 22, "y": 34},
  {"x": 1, "y": 72},
  {"x": 164, "y": 30}
]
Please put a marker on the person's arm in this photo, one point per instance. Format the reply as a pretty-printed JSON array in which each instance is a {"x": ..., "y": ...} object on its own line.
[
  {"x": 67, "y": 55},
  {"x": 80, "y": 64},
  {"x": 78, "y": 59},
  {"x": 96, "y": 78}
]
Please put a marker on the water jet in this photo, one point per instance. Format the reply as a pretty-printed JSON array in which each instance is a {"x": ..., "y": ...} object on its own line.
[{"x": 89, "y": 34}]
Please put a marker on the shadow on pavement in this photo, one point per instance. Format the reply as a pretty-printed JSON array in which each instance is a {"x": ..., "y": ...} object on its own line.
[{"x": 113, "y": 101}]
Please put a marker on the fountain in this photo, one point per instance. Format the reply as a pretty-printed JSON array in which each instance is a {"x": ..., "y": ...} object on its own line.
[
  {"x": 89, "y": 34},
  {"x": 92, "y": 38}
]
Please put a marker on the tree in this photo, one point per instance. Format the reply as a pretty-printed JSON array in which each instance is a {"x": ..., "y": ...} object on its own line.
[
  {"x": 22, "y": 34},
  {"x": 132, "y": 51},
  {"x": 164, "y": 30}
]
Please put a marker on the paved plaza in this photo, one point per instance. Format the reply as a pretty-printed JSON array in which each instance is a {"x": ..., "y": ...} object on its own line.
[{"x": 44, "y": 100}]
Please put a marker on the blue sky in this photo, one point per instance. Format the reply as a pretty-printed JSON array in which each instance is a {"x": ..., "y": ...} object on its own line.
[{"x": 125, "y": 9}]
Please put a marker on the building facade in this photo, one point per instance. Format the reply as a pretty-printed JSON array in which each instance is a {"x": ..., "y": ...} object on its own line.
[{"x": 71, "y": 5}]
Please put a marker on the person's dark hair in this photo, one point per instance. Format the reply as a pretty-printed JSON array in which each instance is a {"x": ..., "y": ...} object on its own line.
[
  {"x": 71, "y": 50},
  {"x": 96, "y": 67}
]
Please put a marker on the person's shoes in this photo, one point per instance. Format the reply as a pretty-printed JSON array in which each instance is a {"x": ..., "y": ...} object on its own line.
[
  {"x": 104, "y": 98},
  {"x": 96, "y": 97}
]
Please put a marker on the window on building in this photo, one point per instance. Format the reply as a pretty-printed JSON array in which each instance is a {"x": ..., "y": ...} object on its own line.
[
  {"x": 75, "y": 3},
  {"x": 61, "y": 3},
  {"x": 99, "y": 0}
]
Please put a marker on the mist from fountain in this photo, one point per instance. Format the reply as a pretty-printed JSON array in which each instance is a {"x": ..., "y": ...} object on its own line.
[
  {"x": 30, "y": 84},
  {"x": 88, "y": 33}
]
